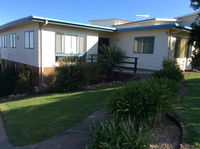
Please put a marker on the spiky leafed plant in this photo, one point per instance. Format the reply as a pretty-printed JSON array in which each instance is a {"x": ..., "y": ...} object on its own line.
[{"x": 110, "y": 58}]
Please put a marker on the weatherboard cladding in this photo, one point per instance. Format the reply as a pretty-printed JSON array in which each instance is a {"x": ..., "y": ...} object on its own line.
[{"x": 93, "y": 27}]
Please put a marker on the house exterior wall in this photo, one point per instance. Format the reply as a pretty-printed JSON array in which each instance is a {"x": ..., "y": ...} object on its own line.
[
  {"x": 145, "y": 23},
  {"x": 48, "y": 42},
  {"x": 108, "y": 23},
  {"x": 20, "y": 54},
  {"x": 125, "y": 41},
  {"x": 105, "y": 23}
]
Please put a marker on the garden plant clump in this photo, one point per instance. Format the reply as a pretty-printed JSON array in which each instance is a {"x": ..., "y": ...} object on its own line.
[
  {"x": 135, "y": 105},
  {"x": 170, "y": 70},
  {"x": 141, "y": 101},
  {"x": 112, "y": 135}
]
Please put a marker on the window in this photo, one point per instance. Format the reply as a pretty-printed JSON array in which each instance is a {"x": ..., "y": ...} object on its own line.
[
  {"x": 59, "y": 43},
  {"x": 82, "y": 44},
  {"x": 13, "y": 40},
  {"x": 182, "y": 49},
  {"x": 144, "y": 45},
  {"x": 3, "y": 41},
  {"x": 70, "y": 44},
  {"x": 29, "y": 43}
]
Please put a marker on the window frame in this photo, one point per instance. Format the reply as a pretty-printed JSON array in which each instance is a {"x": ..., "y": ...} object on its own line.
[
  {"x": 3, "y": 41},
  {"x": 188, "y": 48},
  {"x": 143, "y": 44},
  {"x": 14, "y": 39},
  {"x": 0, "y": 41},
  {"x": 77, "y": 43},
  {"x": 29, "y": 45}
]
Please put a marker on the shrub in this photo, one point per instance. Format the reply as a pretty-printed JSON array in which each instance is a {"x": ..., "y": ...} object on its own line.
[
  {"x": 69, "y": 78},
  {"x": 110, "y": 57},
  {"x": 110, "y": 135},
  {"x": 24, "y": 83},
  {"x": 170, "y": 70},
  {"x": 196, "y": 60},
  {"x": 91, "y": 72},
  {"x": 70, "y": 60},
  {"x": 7, "y": 81},
  {"x": 172, "y": 85},
  {"x": 140, "y": 101},
  {"x": 168, "y": 63}
]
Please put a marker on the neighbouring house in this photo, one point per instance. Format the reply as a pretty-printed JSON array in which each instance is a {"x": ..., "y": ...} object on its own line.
[{"x": 36, "y": 43}]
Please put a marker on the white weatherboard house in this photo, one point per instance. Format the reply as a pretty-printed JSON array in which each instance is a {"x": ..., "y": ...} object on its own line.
[{"x": 36, "y": 42}]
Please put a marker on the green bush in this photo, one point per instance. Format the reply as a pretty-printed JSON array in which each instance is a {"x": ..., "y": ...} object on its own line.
[
  {"x": 170, "y": 70},
  {"x": 8, "y": 80},
  {"x": 110, "y": 135},
  {"x": 168, "y": 63},
  {"x": 196, "y": 60},
  {"x": 70, "y": 59},
  {"x": 111, "y": 57},
  {"x": 91, "y": 72},
  {"x": 69, "y": 78},
  {"x": 24, "y": 83},
  {"x": 140, "y": 101}
]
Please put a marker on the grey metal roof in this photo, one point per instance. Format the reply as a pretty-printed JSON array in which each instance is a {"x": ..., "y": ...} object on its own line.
[
  {"x": 154, "y": 27},
  {"x": 89, "y": 26},
  {"x": 58, "y": 22}
]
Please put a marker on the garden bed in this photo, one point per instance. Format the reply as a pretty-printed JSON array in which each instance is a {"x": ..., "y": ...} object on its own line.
[{"x": 167, "y": 134}]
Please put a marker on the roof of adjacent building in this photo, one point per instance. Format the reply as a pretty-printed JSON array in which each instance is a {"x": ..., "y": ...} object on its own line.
[
  {"x": 114, "y": 19},
  {"x": 188, "y": 15},
  {"x": 154, "y": 27},
  {"x": 149, "y": 20},
  {"x": 94, "y": 27}
]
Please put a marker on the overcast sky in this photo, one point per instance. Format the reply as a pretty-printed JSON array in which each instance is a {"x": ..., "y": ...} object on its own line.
[{"x": 84, "y": 10}]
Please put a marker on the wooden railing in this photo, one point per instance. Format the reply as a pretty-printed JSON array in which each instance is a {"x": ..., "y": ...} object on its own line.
[
  {"x": 133, "y": 62},
  {"x": 92, "y": 58}
]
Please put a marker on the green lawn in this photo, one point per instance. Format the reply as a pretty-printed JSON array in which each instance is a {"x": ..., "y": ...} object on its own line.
[
  {"x": 187, "y": 109},
  {"x": 34, "y": 119}
]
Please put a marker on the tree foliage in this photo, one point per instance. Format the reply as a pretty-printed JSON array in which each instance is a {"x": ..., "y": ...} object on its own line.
[
  {"x": 195, "y": 35},
  {"x": 195, "y": 4}
]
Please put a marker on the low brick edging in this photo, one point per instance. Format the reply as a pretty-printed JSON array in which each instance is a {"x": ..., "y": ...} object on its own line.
[{"x": 183, "y": 144}]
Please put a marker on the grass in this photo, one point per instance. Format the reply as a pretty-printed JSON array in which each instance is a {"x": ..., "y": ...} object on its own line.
[
  {"x": 187, "y": 109},
  {"x": 34, "y": 119}
]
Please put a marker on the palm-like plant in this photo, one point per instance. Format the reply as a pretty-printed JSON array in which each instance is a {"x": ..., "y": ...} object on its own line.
[{"x": 110, "y": 58}]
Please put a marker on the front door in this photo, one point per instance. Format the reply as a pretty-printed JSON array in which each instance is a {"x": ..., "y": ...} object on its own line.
[{"x": 103, "y": 41}]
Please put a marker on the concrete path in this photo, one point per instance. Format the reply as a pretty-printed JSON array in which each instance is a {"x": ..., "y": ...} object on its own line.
[{"x": 74, "y": 138}]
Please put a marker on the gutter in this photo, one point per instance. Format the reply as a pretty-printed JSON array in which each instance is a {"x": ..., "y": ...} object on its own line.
[{"x": 73, "y": 24}]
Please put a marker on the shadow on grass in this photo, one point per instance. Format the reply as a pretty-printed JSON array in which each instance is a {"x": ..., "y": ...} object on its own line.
[
  {"x": 36, "y": 118},
  {"x": 187, "y": 110}
]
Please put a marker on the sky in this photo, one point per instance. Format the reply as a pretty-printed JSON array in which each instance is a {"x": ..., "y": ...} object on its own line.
[{"x": 84, "y": 10}]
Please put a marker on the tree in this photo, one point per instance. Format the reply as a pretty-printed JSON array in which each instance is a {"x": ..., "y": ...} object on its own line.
[
  {"x": 195, "y": 4},
  {"x": 195, "y": 36},
  {"x": 195, "y": 33}
]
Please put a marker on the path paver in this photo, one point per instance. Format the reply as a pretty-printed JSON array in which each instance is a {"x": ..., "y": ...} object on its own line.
[{"x": 74, "y": 138}]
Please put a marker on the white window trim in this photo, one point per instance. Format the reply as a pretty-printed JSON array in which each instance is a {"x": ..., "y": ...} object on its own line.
[
  {"x": 3, "y": 39},
  {"x": 29, "y": 45},
  {"x": 77, "y": 42},
  {"x": 143, "y": 45},
  {"x": 13, "y": 42}
]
